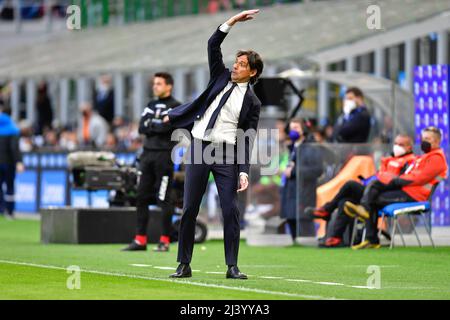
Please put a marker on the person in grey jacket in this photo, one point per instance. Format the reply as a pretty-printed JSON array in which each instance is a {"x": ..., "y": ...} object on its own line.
[
  {"x": 10, "y": 161},
  {"x": 92, "y": 128},
  {"x": 299, "y": 191}
]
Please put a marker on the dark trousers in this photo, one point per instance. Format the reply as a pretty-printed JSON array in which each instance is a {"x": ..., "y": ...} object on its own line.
[
  {"x": 154, "y": 188},
  {"x": 7, "y": 177},
  {"x": 196, "y": 180},
  {"x": 351, "y": 191},
  {"x": 383, "y": 199}
]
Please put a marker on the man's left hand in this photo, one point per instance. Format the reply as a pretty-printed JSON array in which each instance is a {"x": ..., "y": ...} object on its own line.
[{"x": 243, "y": 181}]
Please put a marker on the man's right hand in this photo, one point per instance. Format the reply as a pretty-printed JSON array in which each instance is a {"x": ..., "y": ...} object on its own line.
[
  {"x": 242, "y": 16},
  {"x": 166, "y": 119}
]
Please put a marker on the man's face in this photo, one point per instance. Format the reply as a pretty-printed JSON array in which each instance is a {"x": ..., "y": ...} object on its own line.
[
  {"x": 403, "y": 142},
  {"x": 431, "y": 138},
  {"x": 296, "y": 127},
  {"x": 241, "y": 70},
  {"x": 160, "y": 88},
  {"x": 86, "y": 109},
  {"x": 351, "y": 96}
]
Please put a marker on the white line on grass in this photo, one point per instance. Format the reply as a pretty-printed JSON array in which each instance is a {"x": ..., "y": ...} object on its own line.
[
  {"x": 140, "y": 265},
  {"x": 200, "y": 284},
  {"x": 326, "y": 283}
]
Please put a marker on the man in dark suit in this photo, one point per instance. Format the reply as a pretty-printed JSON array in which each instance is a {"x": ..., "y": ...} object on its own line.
[
  {"x": 216, "y": 120},
  {"x": 354, "y": 125},
  {"x": 104, "y": 99}
]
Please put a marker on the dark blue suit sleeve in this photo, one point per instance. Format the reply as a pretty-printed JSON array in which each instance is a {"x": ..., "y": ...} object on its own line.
[{"x": 215, "y": 58}]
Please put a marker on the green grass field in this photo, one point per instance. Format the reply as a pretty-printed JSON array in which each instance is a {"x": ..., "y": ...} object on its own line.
[{"x": 31, "y": 270}]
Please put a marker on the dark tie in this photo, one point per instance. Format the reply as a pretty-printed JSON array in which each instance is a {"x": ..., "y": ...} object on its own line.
[{"x": 215, "y": 114}]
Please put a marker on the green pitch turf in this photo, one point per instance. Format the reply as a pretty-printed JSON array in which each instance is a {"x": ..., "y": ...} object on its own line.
[{"x": 31, "y": 270}]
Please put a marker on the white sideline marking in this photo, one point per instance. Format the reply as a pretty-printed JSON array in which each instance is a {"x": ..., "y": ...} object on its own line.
[
  {"x": 200, "y": 284},
  {"x": 281, "y": 278},
  {"x": 330, "y": 283},
  {"x": 298, "y": 280},
  {"x": 140, "y": 265},
  {"x": 165, "y": 268}
]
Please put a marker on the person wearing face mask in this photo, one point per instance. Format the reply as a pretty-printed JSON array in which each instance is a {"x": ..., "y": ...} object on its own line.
[
  {"x": 310, "y": 167},
  {"x": 354, "y": 124},
  {"x": 354, "y": 192},
  {"x": 415, "y": 184}
]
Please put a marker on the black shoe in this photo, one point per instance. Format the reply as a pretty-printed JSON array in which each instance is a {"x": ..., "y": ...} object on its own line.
[
  {"x": 183, "y": 271},
  {"x": 162, "y": 247},
  {"x": 134, "y": 246},
  {"x": 234, "y": 273}
]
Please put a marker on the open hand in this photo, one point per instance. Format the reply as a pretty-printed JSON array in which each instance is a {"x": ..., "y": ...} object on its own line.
[{"x": 242, "y": 16}]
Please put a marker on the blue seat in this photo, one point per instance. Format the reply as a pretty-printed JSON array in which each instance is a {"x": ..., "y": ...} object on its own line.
[
  {"x": 404, "y": 208},
  {"x": 408, "y": 209}
]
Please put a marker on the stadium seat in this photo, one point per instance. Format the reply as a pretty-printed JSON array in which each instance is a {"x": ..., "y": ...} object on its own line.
[
  {"x": 408, "y": 209},
  {"x": 394, "y": 210}
]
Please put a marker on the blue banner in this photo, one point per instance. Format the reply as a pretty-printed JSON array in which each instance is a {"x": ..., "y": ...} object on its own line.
[
  {"x": 432, "y": 98},
  {"x": 26, "y": 191},
  {"x": 53, "y": 188}
]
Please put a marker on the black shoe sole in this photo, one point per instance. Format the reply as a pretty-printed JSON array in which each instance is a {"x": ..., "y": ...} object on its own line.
[
  {"x": 127, "y": 249},
  {"x": 181, "y": 276}
]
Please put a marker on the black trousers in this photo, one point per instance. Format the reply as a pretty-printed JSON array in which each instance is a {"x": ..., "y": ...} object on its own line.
[
  {"x": 351, "y": 191},
  {"x": 196, "y": 180},
  {"x": 154, "y": 188},
  {"x": 7, "y": 177},
  {"x": 383, "y": 199}
]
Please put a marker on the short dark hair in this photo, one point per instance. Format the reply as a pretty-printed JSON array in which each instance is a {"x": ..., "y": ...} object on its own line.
[
  {"x": 166, "y": 76},
  {"x": 254, "y": 61},
  {"x": 356, "y": 91}
]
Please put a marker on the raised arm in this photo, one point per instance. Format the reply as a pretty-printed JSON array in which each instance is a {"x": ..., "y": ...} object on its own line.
[{"x": 215, "y": 59}]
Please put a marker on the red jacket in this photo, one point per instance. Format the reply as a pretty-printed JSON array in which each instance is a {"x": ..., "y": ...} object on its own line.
[
  {"x": 428, "y": 170},
  {"x": 392, "y": 167}
]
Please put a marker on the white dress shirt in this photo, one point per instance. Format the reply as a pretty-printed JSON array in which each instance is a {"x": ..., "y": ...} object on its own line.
[{"x": 225, "y": 127}]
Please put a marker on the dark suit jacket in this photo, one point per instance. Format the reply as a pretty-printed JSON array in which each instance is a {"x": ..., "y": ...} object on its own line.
[
  {"x": 185, "y": 115},
  {"x": 356, "y": 129}
]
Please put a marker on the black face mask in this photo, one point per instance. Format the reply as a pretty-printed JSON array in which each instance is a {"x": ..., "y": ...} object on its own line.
[{"x": 425, "y": 146}]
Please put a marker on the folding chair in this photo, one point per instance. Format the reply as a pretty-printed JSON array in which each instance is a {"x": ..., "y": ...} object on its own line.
[{"x": 409, "y": 209}]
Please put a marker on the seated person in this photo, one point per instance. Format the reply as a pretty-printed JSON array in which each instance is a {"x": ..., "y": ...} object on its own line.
[
  {"x": 353, "y": 191},
  {"x": 415, "y": 184}
]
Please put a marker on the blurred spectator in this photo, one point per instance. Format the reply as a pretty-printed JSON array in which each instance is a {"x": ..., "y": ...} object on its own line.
[
  {"x": 51, "y": 140},
  {"x": 111, "y": 142},
  {"x": 10, "y": 160},
  {"x": 92, "y": 128},
  {"x": 353, "y": 126},
  {"x": 387, "y": 131},
  {"x": 68, "y": 140},
  {"x": 44, "y": 109},
  {"x": 266, "y": 192},
  {"x": 26, "y": 142},
  {"x": 104, "y": 99},
  {"x": 310, "y": 167}
]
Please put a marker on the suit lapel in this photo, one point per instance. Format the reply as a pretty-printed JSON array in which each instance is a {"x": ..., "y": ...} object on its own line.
[{"x": 245, "y": 105}]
